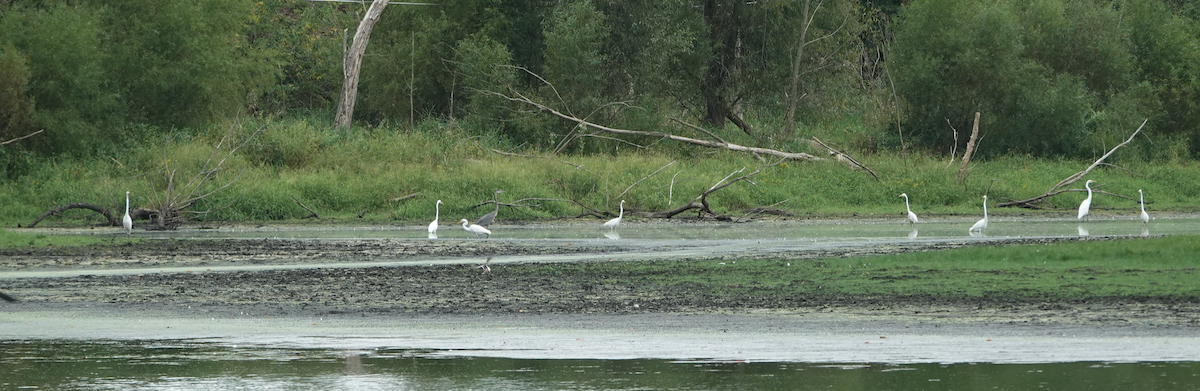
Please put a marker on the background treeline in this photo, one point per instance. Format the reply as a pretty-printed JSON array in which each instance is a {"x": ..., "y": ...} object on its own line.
[{"x": 1058, "y": 78}]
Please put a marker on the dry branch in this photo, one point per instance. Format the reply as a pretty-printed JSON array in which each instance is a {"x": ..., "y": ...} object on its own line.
[
  {"x": 1029, "y": 203},
  {"x": 22, "y": 137},
  {"x": 313, "y": 213},
  {"x": 845, "y": 158},
  {"x": 175, "y": 200},
  {"x": 398, "y": 199},
  {"x": 705, "y": 143},
  {"x": 700, "y": 203},
  {"x": 111, "y": 220},
  {"x": 644, "y": 178}
]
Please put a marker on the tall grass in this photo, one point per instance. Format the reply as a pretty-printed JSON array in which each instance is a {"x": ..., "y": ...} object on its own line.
[{"x": 345, "y": 174}]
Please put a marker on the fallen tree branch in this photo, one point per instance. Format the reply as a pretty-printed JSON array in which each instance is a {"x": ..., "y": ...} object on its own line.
[
  {"x": 398, "y": 199},
  {"x": 1028, "y": 203},
  {"x": 700, "y": 203},
  {"x": 710, "y": 134},
  {"x": 111, "y": 220},
  {"x": 845, "y": 158},
  {"x": 705, "y": 143},
  {"x": 644, "y": 178},
  {"x": 313, "y": 212},
  {"x": 22, "y": 137}
]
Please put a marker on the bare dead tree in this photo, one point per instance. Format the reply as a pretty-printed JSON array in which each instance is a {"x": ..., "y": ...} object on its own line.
[
  {"x": 962, "y": 170},
  {"x": 353, "y": 61},
  {"x": 1054, "y": 190},
  {"x": 175, "y": 199}
]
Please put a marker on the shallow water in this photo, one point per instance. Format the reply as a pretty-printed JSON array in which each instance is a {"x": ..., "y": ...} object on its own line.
[{"x": 170, "y": 365}]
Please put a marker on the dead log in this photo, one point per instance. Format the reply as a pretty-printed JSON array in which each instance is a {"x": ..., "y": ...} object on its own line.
[
  {"x": 313, "y": 213},
  {"x": 1029, "y": 203}
]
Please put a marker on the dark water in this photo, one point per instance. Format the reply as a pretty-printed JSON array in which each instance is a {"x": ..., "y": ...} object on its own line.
[{"x": 183, "y": 365}]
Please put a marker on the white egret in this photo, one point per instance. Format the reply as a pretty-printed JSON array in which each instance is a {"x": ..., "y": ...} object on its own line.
[
  {"x": 437, "y": 212},
  {"x": 981, "y": 224},
  {"x": 1087, "y": 203},
  {"x": 1142, "y": 200},
  {"x": 475, "y": 229},
  {"x": 912, "y": 217},
  {"x": 487, "y": 219},
  {"x": 127, "y": 221},
  {"x": 612, "y": 224}
]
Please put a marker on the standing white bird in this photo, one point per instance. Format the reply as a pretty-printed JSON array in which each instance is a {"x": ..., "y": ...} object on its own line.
[
  {"x": 437, "y": 211},
  {"x": 127, "y": 221},
  {"x": 1142, "y": 200},
  {"x": 912, "y": 217},
  {"x": 475, "y": 229},
  {"x": 612, "y": 224},
  {"x": 981, "y": 224},
  {"x": 1087, "y": 203}
]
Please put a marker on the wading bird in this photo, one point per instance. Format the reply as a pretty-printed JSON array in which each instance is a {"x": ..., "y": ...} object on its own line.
[
  {"x": 127, "y": 221},
  {"x": 1142, "y": 200},
  {"x": 485, "y": 267},
  {"x": 912, "y": 217},
  {"x": 981, "y": 224},
  {"x": 612, "y": 224},
  {"x": 475, "y": 229},
  {"x": 437, "y": 211},
  {"x": 487, "y": 219},
  {"x": 1087, "y": 203}
]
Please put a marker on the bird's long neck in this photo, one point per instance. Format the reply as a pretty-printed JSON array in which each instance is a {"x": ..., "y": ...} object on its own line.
[
  {"x": 437, "y": 211},
  {"x": 1088, "y": 186},
  {"x": 126, "y": 203},
  {"x": 906, "y": 204},
  {"x": 985, "y": 208},
  {"x": 619, "y": 215},
  {"x": 1142, "y": 201}
]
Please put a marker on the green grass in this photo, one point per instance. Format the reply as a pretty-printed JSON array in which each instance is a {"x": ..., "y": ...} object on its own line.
[
  {"x": 9, "y": 239},
  {"x": 341, "y": 174},
  {"x": 1162, "y": 269}
]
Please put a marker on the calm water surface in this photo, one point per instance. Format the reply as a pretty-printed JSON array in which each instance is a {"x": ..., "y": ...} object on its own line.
[{"x": 183, "y": 365}]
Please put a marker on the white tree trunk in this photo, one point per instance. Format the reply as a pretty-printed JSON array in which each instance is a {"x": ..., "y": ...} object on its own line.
[{"x": 353, "y": 61}]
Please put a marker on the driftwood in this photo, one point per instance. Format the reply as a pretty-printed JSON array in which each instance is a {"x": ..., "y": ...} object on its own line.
[
  {"x": 353, "y": 61},
  {"x": 518, "y": 97},
  {"x": 700, "y": 203},
  {"x": 962, "y": 170},
  {"x": 1030, "y": 203}
]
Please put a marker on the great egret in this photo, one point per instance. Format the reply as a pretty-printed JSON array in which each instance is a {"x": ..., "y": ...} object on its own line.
[
  {"x": 487, "y": 219},
  {"x": 912, "y": 217},
  {"x": 437, "y": 211},
  {"x": 1142, "y": 200},
  {"x": 127, "y": 221},
  {"x": 981, "y": 224},
  {"x": 612, "y": 224},
  {"x": 475, "y": 229},
  {"x": 1087, "y": 203}
]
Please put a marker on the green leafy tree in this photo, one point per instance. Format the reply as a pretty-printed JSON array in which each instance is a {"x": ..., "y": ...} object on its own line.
[{"x": 16, "y": 107}]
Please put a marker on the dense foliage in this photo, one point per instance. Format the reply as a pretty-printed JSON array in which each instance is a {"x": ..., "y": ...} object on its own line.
[{"x": 1052, "y": 78}]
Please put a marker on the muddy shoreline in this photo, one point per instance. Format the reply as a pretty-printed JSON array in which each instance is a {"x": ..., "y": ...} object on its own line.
[{"x": 462, "y": 288}]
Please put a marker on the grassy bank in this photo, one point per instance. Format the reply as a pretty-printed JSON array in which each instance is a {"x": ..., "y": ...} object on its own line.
[
  {"x": 345, "y": 175},
  {"x": 1155, "y": 270}
]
